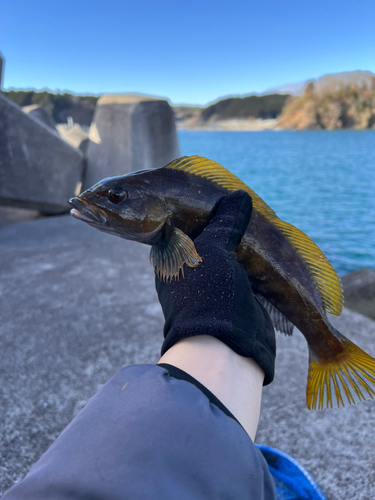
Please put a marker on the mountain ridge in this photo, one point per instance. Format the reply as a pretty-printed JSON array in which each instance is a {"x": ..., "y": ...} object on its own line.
[{"x": 345, "y": 77}]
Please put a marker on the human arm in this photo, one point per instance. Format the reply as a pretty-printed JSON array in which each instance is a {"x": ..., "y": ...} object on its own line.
[
  {"x": 216, "y": 330},
  {"x": 147, "y": 435},
  {"x": 235, "y": 380}
]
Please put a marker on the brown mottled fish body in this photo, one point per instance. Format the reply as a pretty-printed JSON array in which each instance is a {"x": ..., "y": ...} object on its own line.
[{"x": 169, "y": 207}]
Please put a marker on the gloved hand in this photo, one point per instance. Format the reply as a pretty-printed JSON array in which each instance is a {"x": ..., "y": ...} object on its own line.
[{"x": 215, "y": 298}]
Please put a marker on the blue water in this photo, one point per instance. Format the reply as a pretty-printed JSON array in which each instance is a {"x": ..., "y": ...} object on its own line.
[{"x": 322, "y": 182}]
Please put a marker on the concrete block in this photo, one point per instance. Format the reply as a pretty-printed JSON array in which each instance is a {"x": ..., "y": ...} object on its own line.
[
  {"x": 39, "y": 113},
  {"x": 79, "y": 109},
  {"x": 129, "y": 133},
  {"x": 74, "y": 135},
  {"x": 359, "y": 291},
  {"x": 38, "y": 170}
]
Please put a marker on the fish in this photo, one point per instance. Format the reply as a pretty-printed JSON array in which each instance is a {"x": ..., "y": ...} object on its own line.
[{"x": 168, "y": 207}]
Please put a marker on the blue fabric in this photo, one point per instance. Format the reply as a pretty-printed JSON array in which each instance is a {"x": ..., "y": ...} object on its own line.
[
  {"x": 292, "y": 481},
  {"x": 149, "y": 436}
]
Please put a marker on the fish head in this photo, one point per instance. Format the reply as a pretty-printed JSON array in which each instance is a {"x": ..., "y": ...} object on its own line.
[{"x": 122, "y": 206}]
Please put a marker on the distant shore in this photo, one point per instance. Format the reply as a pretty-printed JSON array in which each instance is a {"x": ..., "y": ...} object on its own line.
[
  {"x": 235, "y": 125},
  {"x": 248, "y": 125}
]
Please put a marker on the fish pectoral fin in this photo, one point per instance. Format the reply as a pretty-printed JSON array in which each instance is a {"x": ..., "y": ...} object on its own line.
[
  {"x": 279, "y": 321},
  {"x": 171, "y": 252},
  {"x": 348, "y": 378}
]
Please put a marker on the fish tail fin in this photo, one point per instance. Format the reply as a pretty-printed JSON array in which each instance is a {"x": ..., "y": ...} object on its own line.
[{"x": 348, "y": 378}]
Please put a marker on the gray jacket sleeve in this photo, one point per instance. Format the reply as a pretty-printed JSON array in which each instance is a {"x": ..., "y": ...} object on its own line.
[{"x": 147, "y": 435}]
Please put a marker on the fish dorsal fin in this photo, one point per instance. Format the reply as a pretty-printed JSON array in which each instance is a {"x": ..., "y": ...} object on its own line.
[{"x": 324, "y": 274}]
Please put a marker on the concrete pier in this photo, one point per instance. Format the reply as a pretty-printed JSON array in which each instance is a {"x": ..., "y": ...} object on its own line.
[{"x": 77, "y": 305}]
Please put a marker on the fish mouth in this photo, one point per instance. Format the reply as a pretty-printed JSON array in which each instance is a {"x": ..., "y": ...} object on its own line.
[{"x": 85, "y": 212}]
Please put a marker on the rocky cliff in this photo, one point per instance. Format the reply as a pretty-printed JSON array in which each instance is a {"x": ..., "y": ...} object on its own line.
[{"x": 336, "y": 105}]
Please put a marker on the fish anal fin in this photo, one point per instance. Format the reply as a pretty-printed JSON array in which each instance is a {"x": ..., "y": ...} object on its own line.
[
  {"x": 171, "y": 252},
  {"x": 279, "y": 321},
  {"x": 347, "y": 379}
]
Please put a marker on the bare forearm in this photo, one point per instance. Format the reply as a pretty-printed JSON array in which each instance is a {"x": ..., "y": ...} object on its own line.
[{"x": 235, "y": 380}]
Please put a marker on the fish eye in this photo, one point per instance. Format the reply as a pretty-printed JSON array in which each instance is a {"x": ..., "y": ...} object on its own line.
[{"x": 117, "y": 195}]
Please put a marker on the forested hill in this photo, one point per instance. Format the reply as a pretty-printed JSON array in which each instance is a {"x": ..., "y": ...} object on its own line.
[
  {"x": 263, "y": 107},
  {"x": 81, "y": 108},
  {"x": 60, "y": 106}
]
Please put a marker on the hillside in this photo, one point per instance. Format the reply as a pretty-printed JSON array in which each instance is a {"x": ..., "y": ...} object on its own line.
[
  {"x": 263, "y": 107},
  {"x": 187, "y": 115},
  {"x": 234, "y": 113},
  {"x": 333, "y": 80},
  {"x": 332, "y": 105},
  {"x": 60, "y": 106}
]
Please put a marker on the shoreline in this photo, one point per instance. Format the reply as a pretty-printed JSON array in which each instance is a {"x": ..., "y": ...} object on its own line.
[
  {"x": 235, "y": 125},
  {"x": 249, "y": 128}
]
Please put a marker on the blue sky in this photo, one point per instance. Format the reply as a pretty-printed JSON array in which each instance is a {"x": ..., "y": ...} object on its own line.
[{"x": 191, "y": 51}]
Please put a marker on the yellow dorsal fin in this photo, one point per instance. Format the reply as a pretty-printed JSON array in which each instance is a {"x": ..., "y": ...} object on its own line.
[{"x": 324, "y": 274}]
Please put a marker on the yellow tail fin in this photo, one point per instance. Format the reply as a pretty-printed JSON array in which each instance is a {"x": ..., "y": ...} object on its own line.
[{"x": 348, "y": 379}]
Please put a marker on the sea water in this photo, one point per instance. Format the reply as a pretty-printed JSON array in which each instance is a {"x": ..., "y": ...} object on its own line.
[{"x": 323, "y": 182}]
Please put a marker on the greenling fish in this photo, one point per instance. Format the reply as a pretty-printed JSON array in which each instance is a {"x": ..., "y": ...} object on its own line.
[{"x": 170, "y": 206}]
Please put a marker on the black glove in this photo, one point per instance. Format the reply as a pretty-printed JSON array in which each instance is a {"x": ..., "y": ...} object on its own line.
[{"x": 215, "y": 298}]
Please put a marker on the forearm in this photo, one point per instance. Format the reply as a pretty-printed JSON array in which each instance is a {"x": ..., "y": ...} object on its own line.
[{"x": 235, "y": 380}]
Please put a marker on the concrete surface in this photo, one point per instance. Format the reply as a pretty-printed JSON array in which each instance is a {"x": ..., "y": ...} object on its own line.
[
  {"x": 359, "y": 291},
  {"x": 76, "y": 305},
  {"x": 128, "y": 133},
  {"x": 38, "y": 169}
]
